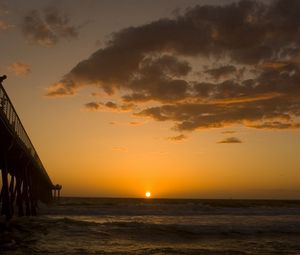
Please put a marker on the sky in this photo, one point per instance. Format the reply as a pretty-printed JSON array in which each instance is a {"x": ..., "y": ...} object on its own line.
[{"x": 181, "y": 98}]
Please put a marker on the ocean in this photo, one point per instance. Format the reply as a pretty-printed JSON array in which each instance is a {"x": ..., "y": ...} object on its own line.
[{"x": 156, "y": 226}]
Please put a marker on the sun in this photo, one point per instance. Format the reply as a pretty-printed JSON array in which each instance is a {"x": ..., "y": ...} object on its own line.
[{"x": 148, "y": 194}]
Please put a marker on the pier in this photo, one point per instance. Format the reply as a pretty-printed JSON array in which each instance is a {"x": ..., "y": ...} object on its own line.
[
  {"x": 56, "y": 191},
  {"x": 24, "y": 179}
]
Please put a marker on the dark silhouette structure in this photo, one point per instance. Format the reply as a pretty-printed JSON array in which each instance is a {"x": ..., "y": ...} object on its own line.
[
  {"x": 24, "y": 178},
  {"x": 57, "y": 188}
]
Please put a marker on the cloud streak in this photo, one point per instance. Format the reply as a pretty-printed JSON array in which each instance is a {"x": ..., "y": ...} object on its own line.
[
  {"x": 108, "y": 106},
  {"x": 178, "y": 138},
  {"x": 231, "y": 140},
  {"x": 48, "y": 27},
  {"x": 19, "y": 68},
  {"x": 252, "y": 75}
]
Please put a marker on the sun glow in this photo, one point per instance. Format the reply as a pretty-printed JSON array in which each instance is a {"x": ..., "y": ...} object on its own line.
[{"x": 148, "y": 194}]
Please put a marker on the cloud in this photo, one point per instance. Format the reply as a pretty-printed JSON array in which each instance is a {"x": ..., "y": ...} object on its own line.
[
  {"x": 229, "y": 132},
  {"x": 19, "y": 68},
  {"x": 223, "y": 71},
  {"x": 136, "y": 123},
  {"x": 64, "y": 88},
  {"x": 47, "y": 27},
  {"x": 251, "y": 76},
  {"x": 4, "y": 25},
  {"x": 120, "y": 149},
  {"x": 178, "y": 137},
  {"x": 231, "y": 140},
  {"x": 108, "y": 106},
  {"x": 92, "y": 106},
  {"x": 276, "y": 125}
]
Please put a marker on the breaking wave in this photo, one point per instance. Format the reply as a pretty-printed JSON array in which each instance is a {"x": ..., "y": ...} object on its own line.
[{"x": 130, "y": 227}]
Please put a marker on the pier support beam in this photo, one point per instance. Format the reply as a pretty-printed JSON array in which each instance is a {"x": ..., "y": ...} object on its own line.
[
  {"x": 25, "y": 193},
  {"x": 56, "y": 190},
  {"x": 6, "y": 208},
  {"x": 19, "y": 197},
  {"x": 32, "y": 194}
]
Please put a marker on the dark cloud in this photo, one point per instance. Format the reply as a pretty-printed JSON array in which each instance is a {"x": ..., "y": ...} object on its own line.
[
  {"x": 250, "y": 113},
  {"x": 277, "y": 125},
  {"x": 251, "y": 52},
  {"x": 111, "y": 105},
  {"x": 136, "y": 123},
  {"x": 47, "y": 27},
  {"x": 223, "y": 71},
  {"x": 64, "y": 88},
  {"x": 178, "y": 137},
  {"x": 92, "y": 106},
  {"x": 108, "y": 106},
  {"x": 231, "y": 140}
]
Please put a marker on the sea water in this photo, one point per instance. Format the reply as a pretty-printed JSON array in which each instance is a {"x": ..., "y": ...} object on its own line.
[{"x": 156, "y": 226}]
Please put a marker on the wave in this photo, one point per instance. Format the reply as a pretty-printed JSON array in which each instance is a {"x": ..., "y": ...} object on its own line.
[
  {"x": 175, "y": 207},
  {"x": 150, "y": 235},
  {"x": 199, "y": 230},
  {"x": 228, "y": 203},
  {"x": 157, "y": 227},
  {"x": 204, "y": 228}
]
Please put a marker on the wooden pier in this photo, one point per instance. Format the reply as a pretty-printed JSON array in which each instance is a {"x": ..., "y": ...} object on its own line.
[{"x": 24, "y": 178}]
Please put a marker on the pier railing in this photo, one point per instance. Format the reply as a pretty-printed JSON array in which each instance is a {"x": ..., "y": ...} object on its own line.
[{"x": 15, "y": 126}]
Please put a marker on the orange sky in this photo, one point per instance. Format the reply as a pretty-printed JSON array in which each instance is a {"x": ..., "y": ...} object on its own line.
[{"x": 122, "y": 148}]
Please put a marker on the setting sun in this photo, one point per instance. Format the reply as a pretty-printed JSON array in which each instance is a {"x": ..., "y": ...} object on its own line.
[{"x": 148, "y": 194}]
